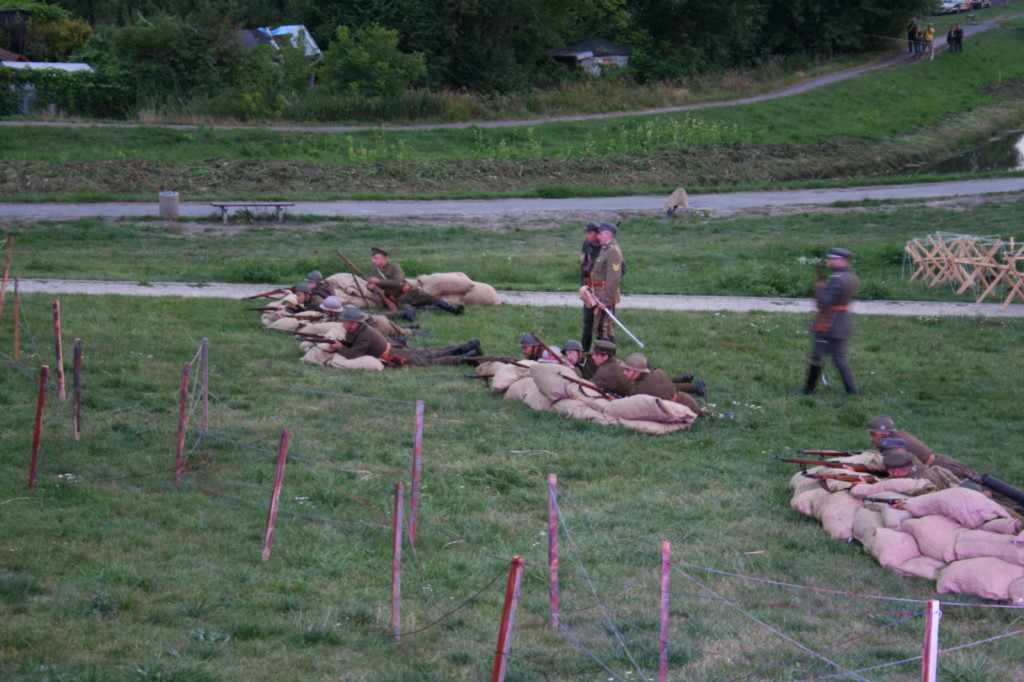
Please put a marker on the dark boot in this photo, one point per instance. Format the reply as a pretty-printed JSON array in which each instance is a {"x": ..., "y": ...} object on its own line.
[
  {"x": 470, "y": 347},
  {"x": 847, "y": 374},
  {"x": 586, "y": 341},
  {"x": 813, "y": 372},
  {"x": 683, "y": 378},
  {"x": 449, "y": 308}
]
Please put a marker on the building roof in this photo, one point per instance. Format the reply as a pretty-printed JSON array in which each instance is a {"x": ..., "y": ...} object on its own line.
[
  {"x": 297, "y": 35},
  {"x": 8, "y": 56},
  {"x": 598, "y": 47}
]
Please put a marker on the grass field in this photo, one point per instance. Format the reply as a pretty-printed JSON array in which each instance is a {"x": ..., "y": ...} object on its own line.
[{"x": 109, "y": 571}]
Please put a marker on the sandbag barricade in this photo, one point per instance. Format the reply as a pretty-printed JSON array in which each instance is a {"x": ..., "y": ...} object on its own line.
[
  {"x": 958, "y": 537},
  {"x": 540, "y": 386},
  {"x": 454, "y": 287}
]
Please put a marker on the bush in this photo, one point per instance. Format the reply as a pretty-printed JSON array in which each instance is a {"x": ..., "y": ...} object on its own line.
[{"x": 367, "y": 62}]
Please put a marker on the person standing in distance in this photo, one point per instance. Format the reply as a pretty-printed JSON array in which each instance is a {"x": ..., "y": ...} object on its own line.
[
  {"x": 605, "y": 278},
  {"x": 833, "y": 325}
]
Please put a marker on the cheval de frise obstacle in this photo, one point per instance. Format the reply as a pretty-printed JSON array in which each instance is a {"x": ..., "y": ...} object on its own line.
[{"x": 964, "y": 541}]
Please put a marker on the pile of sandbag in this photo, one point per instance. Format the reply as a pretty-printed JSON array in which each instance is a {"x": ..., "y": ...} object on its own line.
[
  {"x": 454, "y": 287},
  {"x": 542, "y": 386},
  {"x": 960, "y": 538}
]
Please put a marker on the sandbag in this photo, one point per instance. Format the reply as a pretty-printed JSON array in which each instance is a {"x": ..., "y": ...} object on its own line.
[
  {"x": 518, "y": 389},
  {"x": 508, "y": 374},
  {"x": 893, "y": 548},
  {"x": 985, "y": 577},
  {"x": 865, "y": 523},
  {"x": 367, "y": 362},
  {"x": 836, "y": 515},
  {"x": 354, "y": 290},
  {"x": 649, "y": 427},
  {"x": 481, "y": 294},
  {"x": 649, "y": 408},
  {"x": 546, "y": 376},
  {"x": 315, "y": 354},
  {"x": 935, "y": 536},
  {"x": 335, "y": 330},
  {"x": 893, "y": 518},
  {"x": 285, "y": 324},
  {"x": 978, "y": 543},
  {"x": 921, "y": 567},
  {"x": 805, "y": 500},
  {"x": 904, "y": 486},
  {"x": 968, "y": 507},
  {"x": 1009, "y": 526},
  {"x": 1016, "y": 592},
  {"x": 534, "y": 398},
  {"x": 444, "y": 284},
  {"x": 577, "y": 410}
]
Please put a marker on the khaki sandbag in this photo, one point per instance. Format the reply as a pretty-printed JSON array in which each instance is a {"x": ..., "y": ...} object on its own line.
[
  {"x": 893, "y": 548},
  {"x": 481, "y": 294},
  {"x": 836, "y": 515},
  {"x": 315, "y": 354},
  {"x": 978, "y": 543},
  {"x": 871, "y": 459},
  {"x": 649, "y": 427},
  {"x": 366, "y": 362},
  {"x": 985, "y": 577},
  {"x": 1004, "y": 526},
  {"x": 649, "y": 408},
  {"x": 805, "y": 500},
  {"x": 548, "y": 380},
  {"x": 388, "y": 327},
  {"x": 921, "y": 567},
  {"x": 285, "y": 324},
  {"x": 518, "y": 389},
  {"x": 935, "y": 535},
  {"x": 506, "y": 375},
  {"x": 352, "y": 289},
  {"x": 535, "y": 399},
  {"x": 444, "y": 284},
  {"x": 904, "y": 486},
  {"x": 1016, "y": 592},
  {"x": 865, "y": 523},
  {"x": 577, "y": 410},
  {"x": 893, "y": 518},
  {"x": 967, "y": 507},
  {"x": 335, "y": 330},
  {"x": 588, "y": 397}
]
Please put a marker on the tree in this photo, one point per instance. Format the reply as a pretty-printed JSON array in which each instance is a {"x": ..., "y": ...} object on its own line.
[{"x": 367, "y": 61}]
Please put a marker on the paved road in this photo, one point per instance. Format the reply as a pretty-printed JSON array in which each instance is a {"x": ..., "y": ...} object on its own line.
[
  {"x": 56, "y": 287},
  {"x": 716, "y": 203}
]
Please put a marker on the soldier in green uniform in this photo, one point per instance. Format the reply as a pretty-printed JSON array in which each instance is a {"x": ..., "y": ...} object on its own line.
[
  {"x": 605, "y": 277},
  {"x": 295, "y": 302},
  {"x": 656, "y": 382},
  {"x": 388, "y": 279},
  {"x": 899, "y": 463},
  {"x": 362, "y": 339},
  {"x": 609, "y": 375},
  {"x": 580, "y": 359}
]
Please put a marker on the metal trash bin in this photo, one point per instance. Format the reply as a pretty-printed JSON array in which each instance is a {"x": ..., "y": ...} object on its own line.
[{"x": 168, "y": 204}]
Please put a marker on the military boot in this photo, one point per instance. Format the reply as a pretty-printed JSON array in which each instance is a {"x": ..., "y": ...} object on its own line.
[
  {"x": 813, "y": 372},
  {"x": 449, "y": 308}
]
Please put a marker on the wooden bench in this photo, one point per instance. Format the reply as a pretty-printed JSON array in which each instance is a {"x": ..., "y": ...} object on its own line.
[{"x": 225, "y": 205}]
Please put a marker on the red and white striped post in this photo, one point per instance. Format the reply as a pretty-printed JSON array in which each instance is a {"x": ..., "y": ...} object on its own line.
[
  {"x": 182, "y": 423},
  {"x": 37, "y": 430},
  {"x": 417, "y": 467},
  {"x": 666, "y": 566},
  {"x": 396, "y": 563},
  {"x": 508, "y": 618},
  {"x": 77, "y": 402},
  {"x": 275, "y": 497},
  {"x": 930, "y": 648},
  {"x": 58, "y": 350},
  {"x": 553, "y": 548}
]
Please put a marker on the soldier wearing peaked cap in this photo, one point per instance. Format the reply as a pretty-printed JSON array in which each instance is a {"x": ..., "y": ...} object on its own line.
[
  {"x": 605, "y": 279},
  {"x": 390, "y": 279},
  {"x": 609, "y": 374},
  {"x": 886, "y": 437},
  {"x": 833, "y": 325}
]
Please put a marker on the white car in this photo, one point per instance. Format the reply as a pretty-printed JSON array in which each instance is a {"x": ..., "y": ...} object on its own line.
[{"x": 953, "y": 6}]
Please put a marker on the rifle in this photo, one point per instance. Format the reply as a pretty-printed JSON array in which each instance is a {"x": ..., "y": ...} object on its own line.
[
  {"x": 592, "y": 300},
  {"x": 586, "y": 384},
  {"x": 804, "y": 463},
  {"x": 830, "y": 453},
  {"x": 388, "y": 301},
  {"x": 497, "y": 358},
  {"x": 267, "y": 309},
  {"x": 272, "y": 292},
  {"x": 317, "y": 338},
  {"x": 846, "y": 478},
  {"x": 895, "y": 502},
  {"x": 552, "y": 354}
]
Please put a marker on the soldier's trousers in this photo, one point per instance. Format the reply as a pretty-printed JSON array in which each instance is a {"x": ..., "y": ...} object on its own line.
[{"x": 825, "y": 345}]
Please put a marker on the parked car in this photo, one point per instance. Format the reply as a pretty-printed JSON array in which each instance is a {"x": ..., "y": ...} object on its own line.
[{"x": 953, "y": 7}]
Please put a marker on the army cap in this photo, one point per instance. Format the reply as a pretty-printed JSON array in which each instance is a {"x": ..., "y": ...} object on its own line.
[
  {"x": 573, "y": 344},
  {"x": 882, "y": 422},
  {"x": 605, "y": 226},
  {"x": 374, "y": 251},
  {"x": 606, "y": 347},
  {"x": 352, "y": 315},
  {"x": 892, "y": 444},
  {"x": 637, "y": 362},
  {"x": 331, "y": 304},
  {"x": 303, "y": 287},
  {"x": 840, "y": 253},
  {"x": 314, "y": 276},
  {"x": 897, "y": 459},
  {"x": 529, "y": 339},
  {"x": 592, "y": 227}
]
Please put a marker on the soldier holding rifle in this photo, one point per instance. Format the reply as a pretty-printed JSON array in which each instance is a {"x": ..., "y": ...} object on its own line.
[
  {"x": 297, "y": 301},
  {"x": 833, "y": 325},
  {"x": 388, "y": 279}
]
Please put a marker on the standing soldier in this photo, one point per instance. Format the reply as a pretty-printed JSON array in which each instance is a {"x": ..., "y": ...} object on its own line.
[
  {"x": 588, "y": 252},
  {"x": 832, "y": 324},
  {"x": 605, "y": 277},
  {"x": 388, "y": 280}
]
